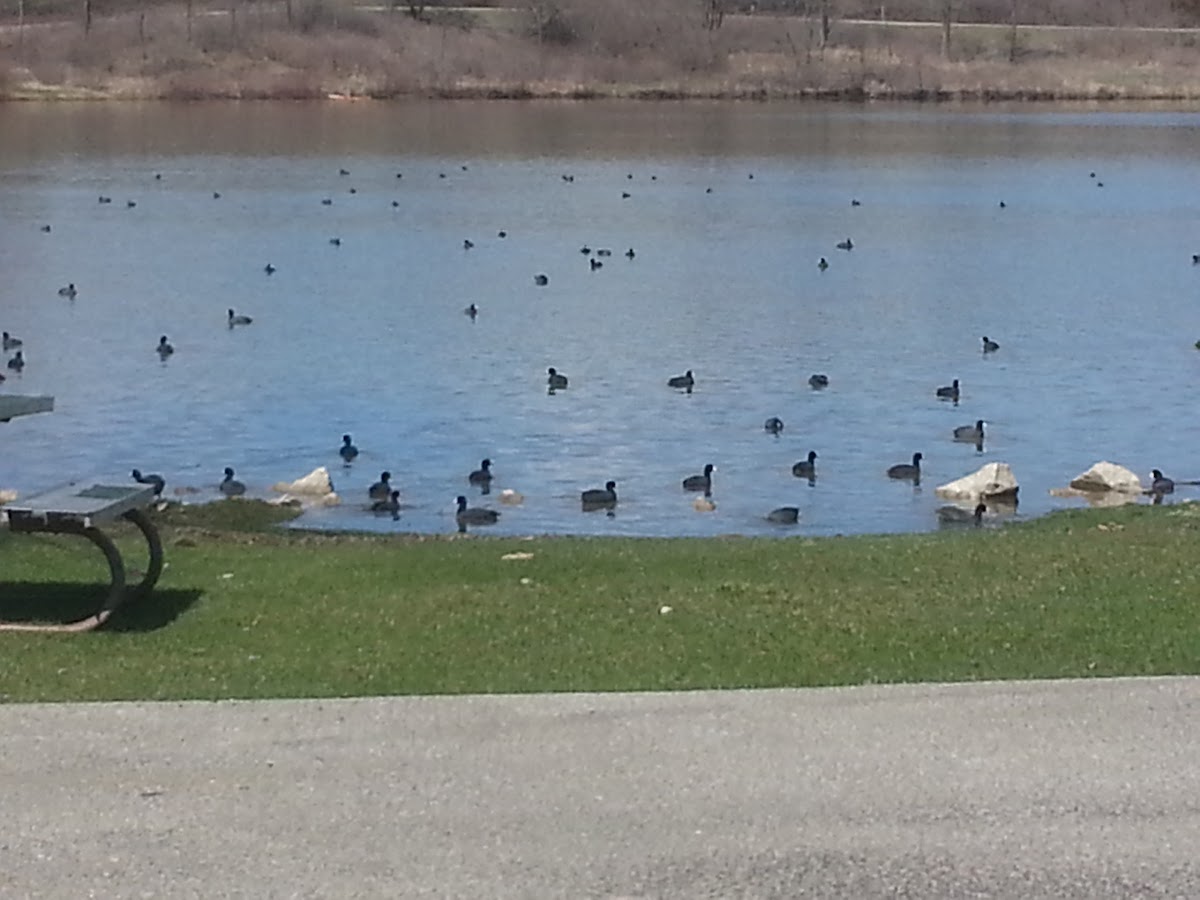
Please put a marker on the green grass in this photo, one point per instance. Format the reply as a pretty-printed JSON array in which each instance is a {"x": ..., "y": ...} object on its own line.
[{"x": 262, "y": 614}]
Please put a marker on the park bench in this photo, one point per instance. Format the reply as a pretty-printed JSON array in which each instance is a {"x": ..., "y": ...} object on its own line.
[{"x": 83, "y": 509}]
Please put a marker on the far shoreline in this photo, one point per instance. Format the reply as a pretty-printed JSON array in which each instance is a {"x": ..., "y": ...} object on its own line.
[
  {"x": 333, "y": 50},
  {"x": 27, "y": 94}
]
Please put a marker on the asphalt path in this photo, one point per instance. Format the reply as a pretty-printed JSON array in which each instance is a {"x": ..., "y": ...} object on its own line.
[{"x": 1087, "y": 789}]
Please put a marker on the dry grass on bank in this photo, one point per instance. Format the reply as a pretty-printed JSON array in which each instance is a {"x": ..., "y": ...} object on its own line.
[{"x": 620, "y": 48}]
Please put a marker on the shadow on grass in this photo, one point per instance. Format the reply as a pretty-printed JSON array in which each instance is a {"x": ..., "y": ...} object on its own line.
[{"x": 54, "y": 602}]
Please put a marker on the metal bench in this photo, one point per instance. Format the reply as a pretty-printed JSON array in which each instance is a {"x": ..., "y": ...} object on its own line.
[{"x": 80, "y": 508}]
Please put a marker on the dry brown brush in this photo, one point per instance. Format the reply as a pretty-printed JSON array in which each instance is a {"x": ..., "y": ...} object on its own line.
[{"x": 587, "y": 48}]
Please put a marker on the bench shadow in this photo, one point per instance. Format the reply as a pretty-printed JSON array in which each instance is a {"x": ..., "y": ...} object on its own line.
[{"x": 55, "y": 602}]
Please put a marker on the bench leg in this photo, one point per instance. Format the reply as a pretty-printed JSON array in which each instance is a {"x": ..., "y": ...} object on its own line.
[
  {"x": 116, "y": 592},
  {"x": 154, "y": 545}
]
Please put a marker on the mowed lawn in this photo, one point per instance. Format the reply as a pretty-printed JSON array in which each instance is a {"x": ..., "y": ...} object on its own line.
[{"x": 269, "y": 614}]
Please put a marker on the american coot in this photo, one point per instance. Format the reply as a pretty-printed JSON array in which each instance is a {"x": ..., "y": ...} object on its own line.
[
  {"x": 847, "y": 244},
  {"x": 238, "y": 320},
  {"x": 784, "y": 515},
  {"x": 69, "y": 292},
  {"x": 907, "y": 471},
  {"x": 683, "y": 382},
  {"x": 700, "y": 482},
  {"x": 597, "y": 498},
  {"x": 956, "y": 515},
  {"x": 473, "y": 515},
  {"x": 471, "y": 311},
  {"x": 989, "y": 346},
  {"x": 231, "y": 487},
  {"x": 1161, "y": 483},
  {"x": 822, "y": 264},
  {"x": 391, "y": 504},
  {"x": 949, "y": 392},
  {"x": 972, "y": 434},
  {"x": 541, "y": 280},
  {"x": 595, "y": 264},
  {"x": 773, "y": 425},
  {"x": 164, "y": 347},
  {"x": 11, "y": 342},
  {"x": 557, "y": 380},
  {"x": 381, "y": 489},
  {"x": 269, "y": 269},
  {"x": 468, "y": 243},
  {"x": 482, "y": 475},
  {"x": 806, "y": 468},
  {"x": 157, "y": 481},
  {"x": 347, "y": 451},
  {"x": 17, "y": 363},
  {"x": 818, "y": 381}
]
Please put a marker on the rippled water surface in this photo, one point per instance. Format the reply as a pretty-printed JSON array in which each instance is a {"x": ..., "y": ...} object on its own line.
[{"x": 1090, "y": 291}]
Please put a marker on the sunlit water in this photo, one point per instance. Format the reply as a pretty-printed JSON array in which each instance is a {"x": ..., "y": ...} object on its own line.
[{"x": 1089, "y": 290}]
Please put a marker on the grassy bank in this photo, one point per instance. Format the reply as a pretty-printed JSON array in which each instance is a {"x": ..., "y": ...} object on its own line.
[
  {"x": 264, "y": 614},
  {"x": 306, "y": 49}
]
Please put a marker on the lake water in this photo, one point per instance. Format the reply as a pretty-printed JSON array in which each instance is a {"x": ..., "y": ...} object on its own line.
[{"x": 1090, "y": 291}]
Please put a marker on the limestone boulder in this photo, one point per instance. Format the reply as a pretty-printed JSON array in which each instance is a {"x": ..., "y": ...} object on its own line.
[
  {"x": 1104, "y": 477},
  {"x": 993, "y": 482},
  {"x": 316, "y": 483}
]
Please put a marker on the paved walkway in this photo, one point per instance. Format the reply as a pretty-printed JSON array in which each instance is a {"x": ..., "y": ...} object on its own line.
[{"x": 1024, "y": 790}]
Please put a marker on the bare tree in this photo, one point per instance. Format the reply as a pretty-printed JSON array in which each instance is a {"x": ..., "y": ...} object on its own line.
[
  {"x": 1187, "y": 11},
  {"x": 714, "y": 14},
  {"x": 1013, "y": 12},
  {"x": 947, "y": 20}
]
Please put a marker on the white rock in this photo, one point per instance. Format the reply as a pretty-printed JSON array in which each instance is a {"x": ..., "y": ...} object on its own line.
[
  {"x": 315, "y": 484},
  {"x": 994, "y": 481},
  {"x": 1106, "y": 476},
  {"x": 8, "y": 496}
]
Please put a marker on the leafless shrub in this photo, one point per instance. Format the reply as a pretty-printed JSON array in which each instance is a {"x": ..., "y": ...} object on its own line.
[{"x": 335, "y": 15}]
